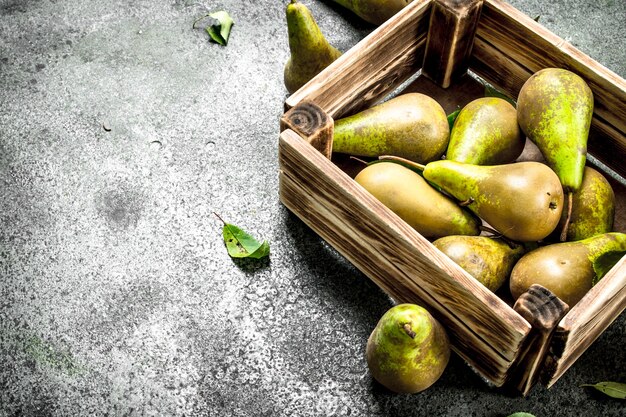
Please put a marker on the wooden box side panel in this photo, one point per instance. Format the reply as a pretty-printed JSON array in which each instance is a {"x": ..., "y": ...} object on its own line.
[
  {"x": 373, "y": 68},
  {"x": 509, "y": 47},
  {"x": 586, "y": 322},
  {"x": 484, "y": 330}
]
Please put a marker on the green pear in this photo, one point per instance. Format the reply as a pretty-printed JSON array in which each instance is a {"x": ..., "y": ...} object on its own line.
[
  {"x": 593, "y": 208},
  {"x": 486, "y": 133},
  {"x": 523, "y": 201},
  {"x": 310, "y": 51},
  {"x": 554, "y": 109},
  {"x": 374, "y": 11},
  {"x": 412, "y": 126},
  {"x": 425, "y": 209},
  {"x": 566, "y": 269},
  {"x": 488, "y": 260},
  {"x": 408, "y": 350}
]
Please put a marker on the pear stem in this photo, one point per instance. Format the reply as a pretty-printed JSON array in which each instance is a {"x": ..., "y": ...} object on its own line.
[
  {"x": 497, "y": 235},
  {"x": 358, "y": 160},
  {"x": 408, "y": 330},
  {"x": 403, "y": 161},
  {"x": 570, "y": 198}
]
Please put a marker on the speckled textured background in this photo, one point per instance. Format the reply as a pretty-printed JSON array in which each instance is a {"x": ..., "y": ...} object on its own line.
[{"x": 117, "y": 296}]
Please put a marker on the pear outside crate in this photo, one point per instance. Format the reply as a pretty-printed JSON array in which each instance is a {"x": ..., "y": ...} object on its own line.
[{"x": 429, "y": 47}]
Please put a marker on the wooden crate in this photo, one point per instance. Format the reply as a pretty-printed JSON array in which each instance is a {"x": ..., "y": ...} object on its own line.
[{"x": 428, "y": 47}]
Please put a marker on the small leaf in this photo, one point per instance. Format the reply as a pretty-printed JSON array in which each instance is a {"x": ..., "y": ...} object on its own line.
[
  {"x": 452, "y": 117},
  {"x": 521, "y": 414},
  {"x": 491, "y": 91},
  {"x": 536, "y": 18},
  {"x": 612, "y": 389},
  {"x": 241, "y": 245},
  {"x": 605, "y": 262},
  {"x": 221, "y": 31}
]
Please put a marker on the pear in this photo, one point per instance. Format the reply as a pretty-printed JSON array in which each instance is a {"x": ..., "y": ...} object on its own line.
[
  {"x": 310, "y": 51},
  {"x": 374, "y": 11},
  {"x": 523, "y": 201},
  {"x": 554, "y": 109},
  {"x": 566, "y": 269},
  {"x": 488, "y": 260},
  {"x": 486, "y": 133},
  {"x": 593, "y": 208},
  {"x": 412, "y": 126},
  {"x": 406, "y": 193},
  {"x": 408, "y": 350}
]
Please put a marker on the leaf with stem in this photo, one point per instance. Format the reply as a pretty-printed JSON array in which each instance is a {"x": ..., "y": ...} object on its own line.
[
  {"x": 612, "y": 389},
  {"x": 240, "y": 244},
  {"x": 219, "y": 31}
]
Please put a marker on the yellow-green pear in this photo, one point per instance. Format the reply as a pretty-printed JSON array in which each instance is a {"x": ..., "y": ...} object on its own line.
[
  {"x": 488, "y": 260},
  {"x": 408, "y": 350},
  {"x": 593, "y": 208},
  {"x": 554, "y": 109},
  {"x": 486, "y": 133},
  {"x": 408, "y": 195},
  {"x": 413, "y": 126},
  {"x": 523, "y": 200},
  {"x": 374, "y": 11},
  {"x": 567, "y": 269},
  {"x": 310, "y": 51}
]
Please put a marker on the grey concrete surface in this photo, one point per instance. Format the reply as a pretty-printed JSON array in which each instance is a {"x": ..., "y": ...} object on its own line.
[{"x": 117, "y": 296}]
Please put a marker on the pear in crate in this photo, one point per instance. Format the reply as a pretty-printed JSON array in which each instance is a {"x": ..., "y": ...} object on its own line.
[
  {"x": 374, "y": 11},
  {"x": 406, "y": 193},
  {"x": 408, "y": 350},
  {"x": 554, "y": 109},
  {"x": 523, "y": 201},
  {"x": 488, "y": 260},
  {"x": 567, "y": 269},
  {"x": 310, "y": 51},
  {"x": 486, "y": 133},
  {"x": 412, "y": 126},
  {"x": 593, "y": 208}
]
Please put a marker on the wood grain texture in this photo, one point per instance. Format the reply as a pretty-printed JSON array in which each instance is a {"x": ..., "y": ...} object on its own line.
[
  {"x": 586, "y": 321},
  {"x": 483, "y": 329},
  {"x": 450, "y": 39},
  {"x": 312, "y": 123},
  {"x": 373, "y": 68},
  {"x": 509, "y": 47},
  {"x": 543, "y": 310}
]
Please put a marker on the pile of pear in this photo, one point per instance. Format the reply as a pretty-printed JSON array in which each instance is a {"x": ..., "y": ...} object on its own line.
[{"x": 464, "y": 186}]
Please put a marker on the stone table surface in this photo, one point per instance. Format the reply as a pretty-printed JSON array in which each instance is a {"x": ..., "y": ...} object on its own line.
[{"x": 117, "y": 296}]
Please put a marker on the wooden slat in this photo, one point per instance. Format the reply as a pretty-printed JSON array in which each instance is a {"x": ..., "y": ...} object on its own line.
[
  {"x": 484, "y": 330},
  {"x": 450, "y": 38},
  {"x": 509, "y": 47},
  {"x": 586, "y": 322},
  {"x": 373, "y": 68}
]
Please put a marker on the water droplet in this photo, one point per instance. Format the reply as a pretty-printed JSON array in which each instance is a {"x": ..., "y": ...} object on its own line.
[
  {"x": 209, "y": 146},
  {"x": 156, "y": 145}
]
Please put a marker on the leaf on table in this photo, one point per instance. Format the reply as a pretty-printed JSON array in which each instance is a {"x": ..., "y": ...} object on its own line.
[
  {"x": 452, "y": 117},
  {"x": 605, "y": 262},
  {"x": 612, "y": 389},
  {"x": 240, "y": 244},
  {"x": 220, "y": 30}
]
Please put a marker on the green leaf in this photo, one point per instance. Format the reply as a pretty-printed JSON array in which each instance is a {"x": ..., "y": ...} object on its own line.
[
  {"x": 452, "y": 117},
  {"x": 219, "y": 32},
  {"x": 241, "y": 245},
  {"x": 612, "y": 389},
  {"x": 521, "y": 414},
  {"x": 605, "y": 262},
  {"x": 491, "y": 91}
]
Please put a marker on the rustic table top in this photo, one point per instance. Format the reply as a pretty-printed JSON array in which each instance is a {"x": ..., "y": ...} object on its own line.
[{"x": 122, "y": 131}]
